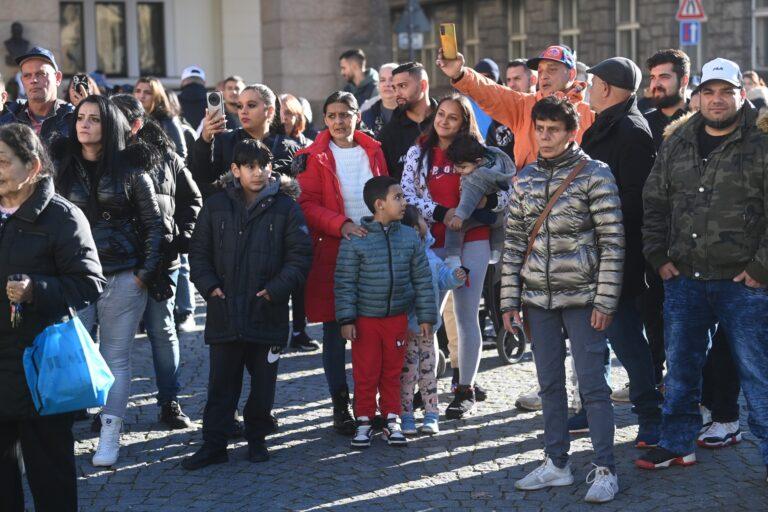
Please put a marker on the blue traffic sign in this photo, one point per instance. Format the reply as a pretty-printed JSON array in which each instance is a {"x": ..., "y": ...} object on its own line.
[{"x": 690, "y": 33}]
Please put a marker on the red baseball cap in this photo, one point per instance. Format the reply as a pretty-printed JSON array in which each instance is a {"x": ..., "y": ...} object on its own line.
[{"x": 555, "y": 53}]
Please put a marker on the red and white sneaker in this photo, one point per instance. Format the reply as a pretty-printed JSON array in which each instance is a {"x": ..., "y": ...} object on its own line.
[
  {"x": 660, "y": 458},
  {"x": 720, "y": 435}
]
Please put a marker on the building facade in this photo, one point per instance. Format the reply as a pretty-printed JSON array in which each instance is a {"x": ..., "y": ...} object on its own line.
[{"x": 293, "y": 45}]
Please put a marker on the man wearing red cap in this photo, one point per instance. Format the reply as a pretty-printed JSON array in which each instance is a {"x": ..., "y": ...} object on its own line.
[{"x": 556, "y": 68}]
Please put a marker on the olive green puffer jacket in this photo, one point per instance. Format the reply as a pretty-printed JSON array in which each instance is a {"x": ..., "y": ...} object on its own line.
[{"x": 578, "y": 255}]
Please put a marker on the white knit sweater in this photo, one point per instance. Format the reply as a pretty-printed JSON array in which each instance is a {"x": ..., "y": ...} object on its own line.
[{"x": 353, "y": 170}]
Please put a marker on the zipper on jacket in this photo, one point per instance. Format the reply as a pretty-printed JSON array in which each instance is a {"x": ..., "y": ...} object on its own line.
[
  {"x": 391, "y": 273},
  {"x": 549, "y": 247},
  {"x": 221, "y": 234}
]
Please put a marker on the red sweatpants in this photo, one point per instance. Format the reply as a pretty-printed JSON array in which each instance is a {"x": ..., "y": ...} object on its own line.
[{"x": 378, "y": 355}]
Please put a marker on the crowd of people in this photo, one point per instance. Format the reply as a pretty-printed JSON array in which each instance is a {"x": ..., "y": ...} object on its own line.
[{"x": 641, "y": 231}]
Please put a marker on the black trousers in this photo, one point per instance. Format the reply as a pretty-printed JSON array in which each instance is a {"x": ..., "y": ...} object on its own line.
[
  {"x": 299, "y": 313},
  {"x": 227, "y": 361},
  {"x": 720, "y": 381},
  {"x": 653, "y": 318},
  {"x": 48, "y": 447}
]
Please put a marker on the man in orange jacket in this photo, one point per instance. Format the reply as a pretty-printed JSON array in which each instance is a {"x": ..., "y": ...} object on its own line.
[{"x": 556, "y": 68}]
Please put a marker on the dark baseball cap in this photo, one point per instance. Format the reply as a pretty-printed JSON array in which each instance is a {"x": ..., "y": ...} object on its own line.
[
  {"x": 38, "y": 52},
  {"x": 619, "y": 72},
  {"x": 556, "y": 53}
]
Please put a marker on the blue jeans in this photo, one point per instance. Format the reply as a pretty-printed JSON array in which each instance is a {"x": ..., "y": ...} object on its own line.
[
  {"x": 161, "y": 331},
  {"x": 628, "y": 342},
  {"x": 691, "y": 309},
  {"x": 118, "y": 311},
  {"x": 334, "y": 357},
  {"x": 185, "y": 290}
]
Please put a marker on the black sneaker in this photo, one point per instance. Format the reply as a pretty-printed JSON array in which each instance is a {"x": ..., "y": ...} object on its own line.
[
  {"x": 363, "y": 433},
  {"x": 172, "y": 415},
  {"x": 393, "y": 433},
  {"x": 660, "y": 458},
  {"x": 480, "y": 394},
  {"x": 304, "y": 343},
  {"x": 257, "y": 452},
  {"x": 205, "y": 456},
  {"x": 463, "y": 403}
]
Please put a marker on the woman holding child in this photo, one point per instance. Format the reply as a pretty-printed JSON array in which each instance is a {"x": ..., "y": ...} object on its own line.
[
  {"x": 431, "y": 184},
  {"x": 333, "y": 171}
]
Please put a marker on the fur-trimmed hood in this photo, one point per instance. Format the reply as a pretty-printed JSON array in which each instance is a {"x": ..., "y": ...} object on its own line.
[
  {"x": 288, "y": 185},
  {"x": 761, "y": 123}
]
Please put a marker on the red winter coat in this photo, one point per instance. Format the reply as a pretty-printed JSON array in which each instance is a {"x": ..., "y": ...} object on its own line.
[{"x": 323, "y": 208}]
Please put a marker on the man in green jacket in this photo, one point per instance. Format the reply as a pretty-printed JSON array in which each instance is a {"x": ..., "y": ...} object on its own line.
[{"x": 705, "y": 234}]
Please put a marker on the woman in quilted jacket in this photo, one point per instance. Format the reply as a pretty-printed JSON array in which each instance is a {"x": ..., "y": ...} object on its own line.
[{"x": 332, "y": 173}]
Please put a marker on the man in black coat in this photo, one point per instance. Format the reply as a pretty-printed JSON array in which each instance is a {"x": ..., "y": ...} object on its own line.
[{"x": 621, "y": 138}]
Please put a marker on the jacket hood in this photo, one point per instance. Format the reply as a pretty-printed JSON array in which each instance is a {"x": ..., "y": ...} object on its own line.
[
  {"x": 277, "y": 183},
  {"x": 687, "y": 125}
]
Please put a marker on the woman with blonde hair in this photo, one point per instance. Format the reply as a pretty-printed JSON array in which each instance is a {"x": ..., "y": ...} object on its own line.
[{"x": 151, "y": 93}]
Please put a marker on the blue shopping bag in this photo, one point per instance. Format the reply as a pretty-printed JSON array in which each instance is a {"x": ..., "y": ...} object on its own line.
[{"x": 65, "y": 371}]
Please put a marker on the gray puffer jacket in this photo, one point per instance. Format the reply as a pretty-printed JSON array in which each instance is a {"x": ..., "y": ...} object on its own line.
[
  {"x": 578, "y": 256},
  {"x": 383, "y": 274}
]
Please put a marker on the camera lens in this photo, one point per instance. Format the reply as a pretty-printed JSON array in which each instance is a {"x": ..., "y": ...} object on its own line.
[{"x": 213, "y": 100}]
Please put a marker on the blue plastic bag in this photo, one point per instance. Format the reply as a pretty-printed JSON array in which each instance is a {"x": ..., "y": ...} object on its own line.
[{"x": 65, "y": 371}]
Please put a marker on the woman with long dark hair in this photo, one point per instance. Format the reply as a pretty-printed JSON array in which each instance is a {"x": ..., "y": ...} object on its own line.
[
  {"x": 338, "y": 164},
  {"x": 49, "y": 263},
  {"x": 151, "y": 93},
  {"x": 430, "y": 183},
  {"x": 113, "y": 185}
]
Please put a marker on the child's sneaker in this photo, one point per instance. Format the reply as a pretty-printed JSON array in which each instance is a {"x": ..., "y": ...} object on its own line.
[
  {"x": 495, "y": 257},
  {"x": 363, "y": 433},
  {"x": 392, "y": 431},
  {"x": 430, "y": 426},
  {"x": 408, "y": 424}
]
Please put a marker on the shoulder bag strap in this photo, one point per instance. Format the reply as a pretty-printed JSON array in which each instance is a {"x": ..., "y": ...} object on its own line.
[{"x": 551, "y": 204}]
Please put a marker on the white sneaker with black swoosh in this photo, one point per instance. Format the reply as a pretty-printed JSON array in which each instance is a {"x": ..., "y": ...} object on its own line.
[{"x": 273, "y": 355}]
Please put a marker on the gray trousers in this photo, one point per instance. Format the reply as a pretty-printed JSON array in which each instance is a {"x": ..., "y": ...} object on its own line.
[
  {"x": 454, "y": 240},
  {"x": 588, "y": 351},
  {"x": 118, "y": 311}
]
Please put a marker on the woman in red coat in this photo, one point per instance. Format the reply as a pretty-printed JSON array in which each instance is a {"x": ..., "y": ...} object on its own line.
[{"x": 337, "y": 165}]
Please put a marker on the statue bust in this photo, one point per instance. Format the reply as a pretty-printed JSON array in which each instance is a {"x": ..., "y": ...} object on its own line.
[{"x": 16, "y": 45}]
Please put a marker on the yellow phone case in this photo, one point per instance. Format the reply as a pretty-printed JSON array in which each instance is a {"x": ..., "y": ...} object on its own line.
[{"x": 448, "y": 40}]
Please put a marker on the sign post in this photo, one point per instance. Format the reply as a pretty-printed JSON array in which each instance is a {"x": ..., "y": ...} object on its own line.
[{"x": 691, "y": 14}]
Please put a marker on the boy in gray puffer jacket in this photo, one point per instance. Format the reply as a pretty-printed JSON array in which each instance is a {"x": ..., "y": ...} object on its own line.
[
  {"x": 484, "y": 171},
  {"x": 377, "y": 280}
]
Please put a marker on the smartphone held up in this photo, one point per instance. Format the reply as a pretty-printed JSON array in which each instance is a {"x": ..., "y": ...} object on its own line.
[{"x": 448, "y": 41}]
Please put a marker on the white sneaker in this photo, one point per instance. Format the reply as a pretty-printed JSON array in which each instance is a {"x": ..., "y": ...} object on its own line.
[
  {"x": 188, "y": 324},
  {"x": 495, "y": 257},
  {"x": 719, "y": 435},
  {"x": 529, "y": 401},
  {"x": 363, "y": 433},
  {"x": 109, "y": 441},
  {"x": 393, "y": 433},
  {"x": 605, "y": 485},
  {"x": 546, "y": 475},
  {"x": 621, "y": 395},
  {"x": 706, "y": 418}
]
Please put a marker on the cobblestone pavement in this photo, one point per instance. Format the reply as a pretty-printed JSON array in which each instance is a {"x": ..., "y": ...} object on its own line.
[{"x": 470, "y": 465}]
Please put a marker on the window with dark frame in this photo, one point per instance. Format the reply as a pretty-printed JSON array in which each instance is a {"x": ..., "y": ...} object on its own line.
[
  {"x": 111, "y": 51},
  {"x": 151, "y": 27},
  {"x": 72, "y": 58}
]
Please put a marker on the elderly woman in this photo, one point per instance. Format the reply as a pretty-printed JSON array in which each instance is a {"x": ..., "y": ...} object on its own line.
[{"x": 47, "y": 247}]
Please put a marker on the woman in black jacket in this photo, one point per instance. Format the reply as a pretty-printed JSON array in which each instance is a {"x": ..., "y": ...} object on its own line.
[
  {"x": 112, "y": 185},
  {"x": 180, "y": 202},
  {"x": 151, "y": 93},
  {"x": 211, "y": 157},
  {"x": 46, "y": 243}
]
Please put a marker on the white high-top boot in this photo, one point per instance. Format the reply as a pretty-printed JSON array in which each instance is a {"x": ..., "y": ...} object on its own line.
[{"x": 109, "y": 441}]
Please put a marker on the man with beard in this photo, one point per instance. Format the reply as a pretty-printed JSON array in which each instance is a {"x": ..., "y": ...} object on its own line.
[
  {"x": 670, "y": 73},
  {"x": 361, "y": 81},
  {"x": 705, "y": 234},
  {"x": 413, "y": 113}
]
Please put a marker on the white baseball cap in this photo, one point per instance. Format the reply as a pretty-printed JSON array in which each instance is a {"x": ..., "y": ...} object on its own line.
[
  {"x": 721, "y": 69},
  {"x": 191, "y": 71}
]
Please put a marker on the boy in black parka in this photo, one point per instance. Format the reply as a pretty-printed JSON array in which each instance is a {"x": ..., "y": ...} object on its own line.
[{"x": 250, "y": 250}]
